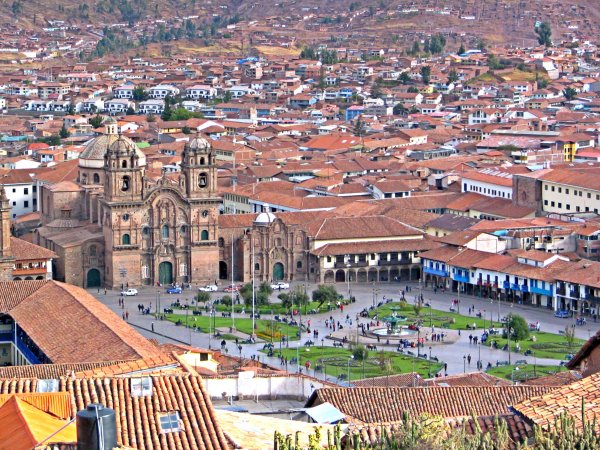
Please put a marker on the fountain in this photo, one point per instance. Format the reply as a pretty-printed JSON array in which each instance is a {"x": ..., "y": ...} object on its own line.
[{"x": 393, "y": 325}]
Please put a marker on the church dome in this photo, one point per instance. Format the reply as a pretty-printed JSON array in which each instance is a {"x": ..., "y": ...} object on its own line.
[
  {"x": 264, "y": 219},
  {"x": 198, "y": 144},
  {"x": 93, "y": 154}
]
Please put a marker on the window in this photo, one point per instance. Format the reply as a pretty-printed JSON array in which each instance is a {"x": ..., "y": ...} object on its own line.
[
  {"x": 589, "y": 195},
  {"x": 204, "y": 235},
  {"x": 566, "y": 191},
  {"x": 26, "y": 191},
  {"x": 256, "y": 266},
  {"x": 124, "y": 164},
  {"x": 183, "y": 230},
  {"x": 552, "y": 188},
  {"x": 221, "y": 242},
  {"x": 165, "y": 231},
  {"x": 560, "y": 189},
  {"x": 141, "y": 387},
  {"x": 125, "y": 183},
  {"x": 26, "y": 204},
  {"x": 126, "y": 240},
  {"x": 50, "y": 385},
  {"x": 34, "y": 190},
  {"x": 299, "y": 265},
  {"x": 169, "y": 422},
  {"x": 146, "y": 231},
  {"x": 202, "y": 180},
  {"x": 202, "y": 161},
  {"x": 551, "y": 203},
  {"x": 546, "y": 202},
  {"x": 546, "y": 187},
  {"x": 93, "y": 250}
]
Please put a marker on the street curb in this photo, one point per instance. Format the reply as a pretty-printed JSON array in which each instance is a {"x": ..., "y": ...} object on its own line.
[{"x": 158, "y": 334}]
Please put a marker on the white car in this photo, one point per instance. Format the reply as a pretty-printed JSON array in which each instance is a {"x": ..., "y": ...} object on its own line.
[
  {"x": 280, "y": 285},
  {"x": 209, "y": 288},
  {"x": 130, "y": 292}
]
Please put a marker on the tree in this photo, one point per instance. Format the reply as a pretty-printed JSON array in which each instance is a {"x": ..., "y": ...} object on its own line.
[
  {"x": 399, "y": 109},
  {"x": 226, "y": 300},
  {"x": 569, "y": 93},
  {"x": 452, "y": 76},
  {"x": 186, "y": 130},
  {"x": 542, "y": 83},
  {"x": 140, "y": 94},
  {"x": 426, "y": 74},
  {"x": 518, "y": 326},
  {"x": 325, "y": 293},
  {"x": 202, "y": 297},
  {"x": 360, "y": 352},
  {"x": 359, "y": 128},
  {"x": 570, "y": 335},
  {"x": 404, "y": 78},
  {"x": 130, "y": 111},
  {"x": 96, "y": 121},
  {"x": 461, "y": 49},
  {"x": 417, "y": 309},
  {"x": 416, "y": 49},
  {"x": 64, "y": 133},
  {"x": 167, "y": 111},
  {"x": 544, "y": 34}
]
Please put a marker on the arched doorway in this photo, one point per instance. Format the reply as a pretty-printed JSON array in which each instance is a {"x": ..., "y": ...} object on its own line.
[
  {"x": 93, "y": 278},
  {"x": 165, "y": 273},
  {"x": 222, "y": 270},
  {"x": 278, "y": 272},
  {"x": 329, "y": 276},
  {"x": 340, "y": 276}
]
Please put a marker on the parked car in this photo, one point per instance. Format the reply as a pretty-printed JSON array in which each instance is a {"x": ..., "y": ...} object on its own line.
[
  {"x": 231, "y": 288},
  {"x": 280, "y": 285},
  {"x": 209, "y": 288},
  {"x": 174, "y": 290},
  {"x": 130, "y": 292},
  {"x": 562, "y": 314}
]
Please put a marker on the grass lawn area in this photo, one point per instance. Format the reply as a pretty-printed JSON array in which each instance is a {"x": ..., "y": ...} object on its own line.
[
  {"x": 275, "y": 308},
  {"x": 547, "y": 345},
  {"x": 263, "y": 327},
  {"x": 525, "y": 372},
  {"x": 439, "y": 319},
  {"x": 372, "y": 367}
]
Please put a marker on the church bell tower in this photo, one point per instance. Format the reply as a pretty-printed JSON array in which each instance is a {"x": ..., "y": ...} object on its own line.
[
  {"x": 198, "y": 169},
  {"x": 7, "y": 260},
  {"x": 123, "y": 169}
]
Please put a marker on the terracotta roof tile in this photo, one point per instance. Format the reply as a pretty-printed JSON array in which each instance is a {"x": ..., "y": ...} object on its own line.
[
  {"x": 543, "y": 409},
  {"x": 379, "y": 405}
]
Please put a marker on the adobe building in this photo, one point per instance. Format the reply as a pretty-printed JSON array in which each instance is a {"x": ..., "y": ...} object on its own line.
[{"x": 118, "y": 225}]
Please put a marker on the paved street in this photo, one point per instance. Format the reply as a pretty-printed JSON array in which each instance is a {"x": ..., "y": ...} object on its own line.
[{"x": 451, "y": 353}]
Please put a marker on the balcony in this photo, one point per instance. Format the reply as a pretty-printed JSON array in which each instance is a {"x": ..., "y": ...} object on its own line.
[
  {"x": 393, "y": 262},
  {"x": 30, "y": 271},
  {"x": 561, "y": 290},
  {"x": 27, "y": 353},
  {"x": 524, "y": 288},
  {"x": 344, "y": 265},
  {"x": 433, "y": 271},
  {"x": 461, "y": 278},
  {"x": 515, "y": 287},
  {"x": 505, "y": 285},
  {"x": 542, "y": 291}
]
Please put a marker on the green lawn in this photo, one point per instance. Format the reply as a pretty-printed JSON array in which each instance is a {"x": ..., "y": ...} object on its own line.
[
  {"x": 274, "y": 308},
  {"x": 547, "y": 345},
  {"x": 264, "y": 328},
  {"x": 525, "y": 372},
  {"x": 372, "y": 366},
  {"x": 435, "y": 317}
]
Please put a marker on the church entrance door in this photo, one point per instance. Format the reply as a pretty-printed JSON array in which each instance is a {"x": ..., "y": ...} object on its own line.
[
  {"x": 165, "y": 273},
  {"x": 278, "y": 272},
  {"x": 93, "y": 278}
]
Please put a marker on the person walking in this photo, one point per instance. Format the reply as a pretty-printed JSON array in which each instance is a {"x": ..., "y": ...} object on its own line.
[
  {"x": 152, "y": 326},
  {"x": 469, "y": 359}
]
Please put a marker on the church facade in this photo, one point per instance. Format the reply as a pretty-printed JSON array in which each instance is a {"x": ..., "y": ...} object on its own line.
[{"x": 118, "y": 226}]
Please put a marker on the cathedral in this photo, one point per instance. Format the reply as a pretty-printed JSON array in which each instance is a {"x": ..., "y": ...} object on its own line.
[{"x": 119, "y": 225}]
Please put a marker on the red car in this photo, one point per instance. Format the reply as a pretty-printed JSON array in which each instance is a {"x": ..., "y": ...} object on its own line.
[{"x": 231, "y": 288}]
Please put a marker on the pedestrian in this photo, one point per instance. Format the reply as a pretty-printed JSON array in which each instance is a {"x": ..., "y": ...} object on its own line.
[
  {"x": 470, "y": 339},
  {"x": 126, "y": 315},
  {"x": 152, "y": 325},
  {"x": 104, "y": 291},
  {"x": 123, "y": 316},
  {"x": 469, "y": 359},
  {"x": 445, "y": 367}
]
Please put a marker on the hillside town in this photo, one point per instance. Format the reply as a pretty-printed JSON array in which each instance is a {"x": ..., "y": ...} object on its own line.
[{"x": 238, "y": 229}]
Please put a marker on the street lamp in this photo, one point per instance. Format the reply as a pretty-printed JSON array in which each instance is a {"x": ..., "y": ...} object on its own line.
[
  {"x": 510, "y": 330},
  {"x": 464, "y": 364},
  {"x": 348, "y": 278},
  {"x": 512, "y": 373},
  {"x": 479, "y": 356},
  {"x": 298, "y": 357},
  {"x": 349, "y": 359}
]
